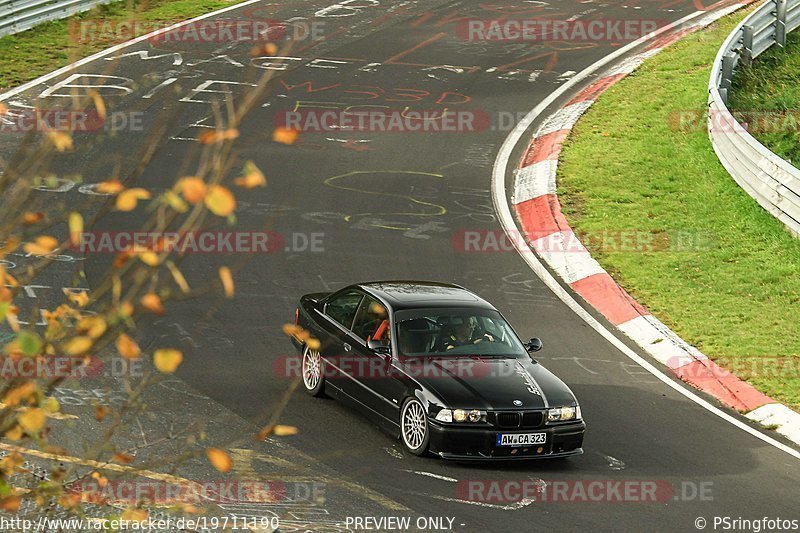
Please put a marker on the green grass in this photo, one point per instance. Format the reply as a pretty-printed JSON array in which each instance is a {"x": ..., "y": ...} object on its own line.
[
  {"x": 772, "y": 84},
  {"x": 728, "y": 281},
  {"x": 44, "y": 48}
]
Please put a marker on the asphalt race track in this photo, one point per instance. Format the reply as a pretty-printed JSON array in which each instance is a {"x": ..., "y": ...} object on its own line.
[{"x": 393, "y": 205}]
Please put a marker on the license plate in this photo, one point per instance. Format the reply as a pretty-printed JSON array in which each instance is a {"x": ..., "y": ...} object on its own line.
[{"x": 521, "y": 439}]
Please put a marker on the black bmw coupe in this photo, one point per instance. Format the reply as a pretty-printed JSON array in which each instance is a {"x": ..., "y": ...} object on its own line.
[{"x": 438, "y": 367}]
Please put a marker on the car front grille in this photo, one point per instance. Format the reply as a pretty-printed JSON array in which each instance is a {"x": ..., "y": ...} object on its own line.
[
  {"x": 508, "y": 420},
  {"x": 519, "y": 419}
]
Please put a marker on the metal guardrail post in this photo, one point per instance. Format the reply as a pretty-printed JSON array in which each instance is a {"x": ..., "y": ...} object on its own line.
[
  {"x": 728, "y": 61},
  {"x": 747, "y": 43},
  {"x": 780, "y": 23}
]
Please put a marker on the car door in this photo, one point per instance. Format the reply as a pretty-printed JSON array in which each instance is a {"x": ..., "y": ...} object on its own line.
[
  {"x": 336, "y": 342},
  {"x": 380, "y": 383}
]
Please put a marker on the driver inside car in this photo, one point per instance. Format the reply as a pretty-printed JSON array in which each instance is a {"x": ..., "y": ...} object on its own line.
[{"x": 466, "y": 332}]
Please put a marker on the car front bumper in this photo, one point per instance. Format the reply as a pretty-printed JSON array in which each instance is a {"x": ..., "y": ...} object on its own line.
[{"x": 479, "y": 444}]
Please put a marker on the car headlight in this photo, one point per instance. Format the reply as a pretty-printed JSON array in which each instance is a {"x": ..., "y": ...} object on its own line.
[
  {"x": 461, "y": 415},
  {"x": 561, "y": 414}
]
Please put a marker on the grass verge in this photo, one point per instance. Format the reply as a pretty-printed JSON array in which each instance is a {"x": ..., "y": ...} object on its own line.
[
  {"x": 771, "y": 85},
  {"x": 722, "y": 272},
  {"x": 44, "y": 48}
]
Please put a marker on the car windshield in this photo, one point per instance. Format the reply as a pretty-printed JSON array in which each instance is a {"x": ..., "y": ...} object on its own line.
[{"x": 455, "y": 332}]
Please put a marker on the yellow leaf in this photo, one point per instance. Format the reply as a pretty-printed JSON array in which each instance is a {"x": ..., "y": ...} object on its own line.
[
  {"x": 61, "y": 141},
  {"x": 150, "y": 258},
  {"x": 42, "y": 245},
  {"x": 220, "y": 459},
  {"x": 135, "y": 515},
  {"x": 175, "y": 202},
  {"x": 94, "y": 326},
  {"x": 127, "y": 199},
  {"x": 127, "y": 347},
  {"x": 167, "y": 360},
  {"x": 192, "y": 188},
  {"x": 109, "y": 187},
  {"x": 220, "y": 201},
  {"x": 152, "y": 303},
  {"x": 78, "y": 345},
  {"x": 32, "y": 420},
  {"x": 9, "y": 246},
  {"x": 285, "y": 135},
  {"x": 99, "y": 104},
  {"x": 51, "y": 405},
  {"x": 75, "y": 228},
  {"x": 252, "y": 177},
  {"x": 227, "y": 280}
]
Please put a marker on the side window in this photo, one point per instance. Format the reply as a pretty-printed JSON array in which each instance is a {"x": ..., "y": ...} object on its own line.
[
  {"x": 372, "y": 321},
  {"x": 343, "y": 308}
]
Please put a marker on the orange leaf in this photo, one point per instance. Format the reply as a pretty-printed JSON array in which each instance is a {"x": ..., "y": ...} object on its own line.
[
  {"x": 127, "y": 347},
  {"x": 167, "y": 360},
  {"x": 220, "y": 201},
  {"x": 251, "y": 178},
  {"x": 15, "y": 433},
  {"x": 100, "y": 413},
  {"x": 285, "y": 135},
  {"x": 211, "y": 137},
  {"x": 192, "y": 188},
  {"x": 123, "y": 458},
  {"x": 15, "y": 396},
  {"x": 10, "y": 504},
  {"x": 109, "y": 187},
  {"x": 80, "y": 298},
  {"x": 220, "y": 459},
  {"x": 32, "y": 218},
  {"x": 227, "y": 280},
  {"x": 277, "y": 430},
  {"x": 127, "y": 199},
  {"x": 152, "y": 303},
  {"x": 150, "y": 258},
  {"x": 42, "y": 245}
]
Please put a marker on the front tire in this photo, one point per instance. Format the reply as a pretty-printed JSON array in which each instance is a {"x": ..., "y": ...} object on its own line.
[
  {"x": 414, "y": 428},
  {"x": 311, "y": 368}
]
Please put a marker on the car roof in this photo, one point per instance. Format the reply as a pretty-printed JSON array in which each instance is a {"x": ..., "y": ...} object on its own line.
[{"x": 407, "y": 294}]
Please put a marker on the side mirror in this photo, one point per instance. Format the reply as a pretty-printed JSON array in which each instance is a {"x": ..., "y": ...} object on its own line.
[
  {"x": 534, "y": 345},
  {"x": 379, "y": 348}
]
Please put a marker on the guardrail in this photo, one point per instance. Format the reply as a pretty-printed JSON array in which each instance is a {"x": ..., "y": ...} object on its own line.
[
  {"x": 19, "y": 15},
  {"x": 772, "y": 181}
]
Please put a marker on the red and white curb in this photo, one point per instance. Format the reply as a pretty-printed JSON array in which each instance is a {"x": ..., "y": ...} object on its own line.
[{"x": 548, "y": 233}]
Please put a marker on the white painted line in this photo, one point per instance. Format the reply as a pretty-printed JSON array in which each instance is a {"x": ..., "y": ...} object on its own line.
[
  {"x": 115, "y": 48},
  {"x": 504, "y": 213},
  {"x": 535, "y": 180},
  {"x": 431, "y": 474}
]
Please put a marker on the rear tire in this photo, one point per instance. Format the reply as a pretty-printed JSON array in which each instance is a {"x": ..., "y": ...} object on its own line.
[
  {"x": 415, "y": 432},
  {"x": 312, "y": 374}
]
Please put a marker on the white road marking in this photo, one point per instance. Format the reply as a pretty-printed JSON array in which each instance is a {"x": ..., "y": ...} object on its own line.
[{"x": 431, "y": 474}]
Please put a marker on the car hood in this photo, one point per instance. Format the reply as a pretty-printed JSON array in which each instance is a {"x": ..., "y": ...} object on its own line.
[{"x": 490, "y": 383}]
